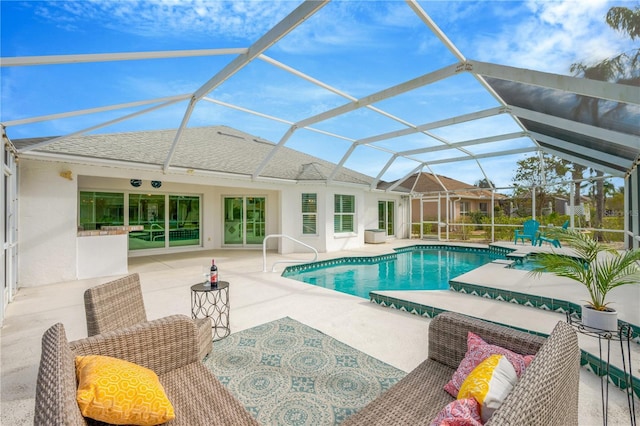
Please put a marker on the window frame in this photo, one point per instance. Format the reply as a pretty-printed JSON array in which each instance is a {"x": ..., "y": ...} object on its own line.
[
  {"x": 309, "y": 215},
  {"x": 171, "y": 237},
  {"x": 340, "y": 216},
  {"x": 465, "y": 208},
  {"x": 97, "y": 224}
]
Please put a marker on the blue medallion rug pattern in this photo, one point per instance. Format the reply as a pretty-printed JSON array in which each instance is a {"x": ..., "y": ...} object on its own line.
[{"x": 287, "y": 373}]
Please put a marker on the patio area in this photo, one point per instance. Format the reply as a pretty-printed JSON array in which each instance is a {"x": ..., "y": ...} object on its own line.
[{"x": 258, "y": 297}]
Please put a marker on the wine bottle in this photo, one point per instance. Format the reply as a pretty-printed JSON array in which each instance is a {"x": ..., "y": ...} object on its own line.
[{"x": 214, "y": 274}]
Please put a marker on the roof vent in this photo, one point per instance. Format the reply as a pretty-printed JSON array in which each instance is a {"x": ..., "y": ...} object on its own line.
[
  {"x": 231, "y": 135},
  {"x": 263, "y": 141}
]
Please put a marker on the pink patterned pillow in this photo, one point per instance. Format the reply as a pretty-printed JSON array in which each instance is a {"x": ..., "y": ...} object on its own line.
[
  {"x": 461, "y": 412},
  {"x": 477, "y": 351}
]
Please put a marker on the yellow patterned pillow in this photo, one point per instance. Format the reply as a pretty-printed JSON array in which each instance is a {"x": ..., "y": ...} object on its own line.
[
  {"x": 120, "y": 392},
  {"x": 489, "y": 383}
]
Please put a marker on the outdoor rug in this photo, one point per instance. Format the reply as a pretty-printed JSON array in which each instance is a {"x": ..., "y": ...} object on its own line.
[{"x": 287, "y": 373}]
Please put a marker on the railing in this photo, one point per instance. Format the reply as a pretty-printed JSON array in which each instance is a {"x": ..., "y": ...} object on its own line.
[
  {"x": 493, "y": 232},
  {"x": 273, "y": 267}
]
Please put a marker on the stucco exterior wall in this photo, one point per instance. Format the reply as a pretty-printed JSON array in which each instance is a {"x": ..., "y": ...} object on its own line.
[
  {"x": 49, "y": 212},
  {"x": 291, "y": 220},
  {"x": 47, "y": 224},
  {"x": 430, "y": 208}
]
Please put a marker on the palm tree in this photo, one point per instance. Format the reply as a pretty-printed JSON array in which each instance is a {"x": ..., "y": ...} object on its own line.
[{"x": 598, "y": 267}]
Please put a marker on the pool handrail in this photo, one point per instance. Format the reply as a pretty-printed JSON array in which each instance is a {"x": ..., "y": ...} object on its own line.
[{"x": 273, "y": 267}]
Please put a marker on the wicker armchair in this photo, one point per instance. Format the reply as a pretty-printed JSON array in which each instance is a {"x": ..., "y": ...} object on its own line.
[
  {"x": 546, "y": 394},
  {"x": 119, "y": 304},
  {"x": 167, "y": 346}
]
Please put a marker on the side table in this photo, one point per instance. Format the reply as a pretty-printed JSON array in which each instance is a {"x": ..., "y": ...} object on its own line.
[
  {"x": 623, "y": 335},
  {"x": 213, "y": 303}
]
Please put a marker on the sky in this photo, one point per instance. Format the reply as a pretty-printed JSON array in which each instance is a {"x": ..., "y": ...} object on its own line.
[{"x": 355, "y": 47}]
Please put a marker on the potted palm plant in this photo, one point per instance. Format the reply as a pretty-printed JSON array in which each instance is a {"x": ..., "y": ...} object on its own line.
[{"x": 596, "y": 266}]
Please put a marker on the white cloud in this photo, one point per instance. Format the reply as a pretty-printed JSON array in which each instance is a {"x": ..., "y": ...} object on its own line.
[
  {"x": 245, "y": 20},
  {"x": 555, "y": 36},
  {"x": 351, "y": 26}
]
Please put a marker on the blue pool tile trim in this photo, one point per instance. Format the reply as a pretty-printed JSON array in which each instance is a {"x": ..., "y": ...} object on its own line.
[
  {"x": 425, "y": 310},
  {"x": 541, "y": 302},
  {"x": 368, "y": 260},
  {"x": 357, "y": 260}
]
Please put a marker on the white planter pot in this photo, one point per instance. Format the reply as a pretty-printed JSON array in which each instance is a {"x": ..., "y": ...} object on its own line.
[{"x": 600, "y": 320}]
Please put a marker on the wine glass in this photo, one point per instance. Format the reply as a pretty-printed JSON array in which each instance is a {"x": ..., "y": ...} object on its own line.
[{"x": 206, "y": 273}]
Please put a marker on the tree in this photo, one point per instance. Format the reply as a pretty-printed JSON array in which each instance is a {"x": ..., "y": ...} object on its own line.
[
  {"x": 577, "y": 175},
  {"x": 616, "y": 202},
  {"x": 485, "y": 183},
  {"x": 542, "y": 173},
  {"x": 623, "y": 68}
]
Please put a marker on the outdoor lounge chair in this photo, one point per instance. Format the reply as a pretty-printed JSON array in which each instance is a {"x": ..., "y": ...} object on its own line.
[
  {"x": 543, "y": 238},
  {"x": 529, "y": 231},
  {"x": 166, "y": 345},
  {"x": 119, "y": 304}
]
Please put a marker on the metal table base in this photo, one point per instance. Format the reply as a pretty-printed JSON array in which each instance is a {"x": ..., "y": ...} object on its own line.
[{"x": 213, "y": 303}]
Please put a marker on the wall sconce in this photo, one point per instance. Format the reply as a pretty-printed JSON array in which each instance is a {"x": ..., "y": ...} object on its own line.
[{"x": 67, "y": 174}]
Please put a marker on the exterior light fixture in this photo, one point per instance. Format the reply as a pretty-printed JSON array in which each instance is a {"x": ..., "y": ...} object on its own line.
[{"x": 67, "y": 174}]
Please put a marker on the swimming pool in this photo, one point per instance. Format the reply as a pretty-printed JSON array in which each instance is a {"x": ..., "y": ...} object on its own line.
[{"x": 411, "y": 268}]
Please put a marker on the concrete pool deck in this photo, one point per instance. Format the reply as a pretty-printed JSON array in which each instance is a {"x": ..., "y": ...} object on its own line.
[{"x": 258, "y": 297}]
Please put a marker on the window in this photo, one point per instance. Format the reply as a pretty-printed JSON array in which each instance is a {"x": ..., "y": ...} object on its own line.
[
  {"x": 177, "y": 225},
  {"x": 148, "y": 211},
  {"x": 98, "y": 209},
  {"x": 344, "y": 213},
  {"x": 309, "y": 214},
  {"x": 464, "y": 208},
  {"x": 385, "y": 216},
  {"x": 184, "y": 220},
  {"x": 484, "y": 208}
]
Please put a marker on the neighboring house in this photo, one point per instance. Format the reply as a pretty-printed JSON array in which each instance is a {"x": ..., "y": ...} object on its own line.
[
  {"x": 454, "y": 198},
  {"x": 207, "y": 198},
  {"x": 563, "y": 206},
  {"x": 521, "y": 206}
]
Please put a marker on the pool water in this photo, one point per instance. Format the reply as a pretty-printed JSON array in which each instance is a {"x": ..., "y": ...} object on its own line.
[
  {"x": 526, "y": 265},
  {"x": 411, "y": 270}
]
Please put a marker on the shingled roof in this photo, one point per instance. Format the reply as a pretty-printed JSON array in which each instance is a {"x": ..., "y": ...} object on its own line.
[
  {"x": 215, "y": 148},
  {"x": 428, "y": 183}
]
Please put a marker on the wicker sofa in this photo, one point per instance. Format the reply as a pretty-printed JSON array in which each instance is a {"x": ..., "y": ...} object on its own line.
[
  {"x": 167, "y": 346},
  {"x": 119, "y": 303},
  {"x": 546, "y": 394}
]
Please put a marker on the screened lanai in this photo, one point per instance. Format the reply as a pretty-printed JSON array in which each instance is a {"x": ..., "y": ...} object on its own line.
[
  {"x": 309, "y": 103},
  {"x": 386, "y": 89}
]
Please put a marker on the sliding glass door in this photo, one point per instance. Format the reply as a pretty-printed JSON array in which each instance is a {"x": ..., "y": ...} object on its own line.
[
  {"x": 244, "y": 220},
  {"x": 148, "y": 211},
  {"x": 184, "y": 220},
  {"x": 385, "y": 216}
]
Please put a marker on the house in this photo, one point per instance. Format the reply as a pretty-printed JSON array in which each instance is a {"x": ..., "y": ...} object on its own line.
[
  {"x": 454, "y": 199},
  {"x": 88, "y": 203}
]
